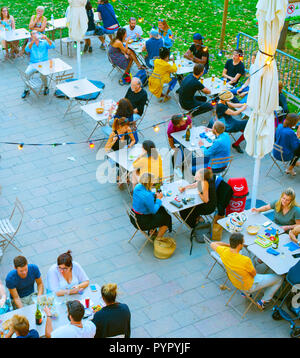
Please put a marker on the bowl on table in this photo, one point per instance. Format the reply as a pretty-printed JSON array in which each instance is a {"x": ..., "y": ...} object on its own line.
[
  {"x": 99, "y": 110},
  {"x": 253, "y": 229}
]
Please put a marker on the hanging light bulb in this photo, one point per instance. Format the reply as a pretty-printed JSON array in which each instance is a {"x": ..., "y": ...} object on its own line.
[
  {"x": 20, "y": 146},
  {"x": 75, "y": 45},
  {"x": 156, "y": 129},
  {"x": 141, "y": 19},
  {"x": 205, "y": 48},
  {"x": 241, "y": 57},
  {"x": 213, "y": 102},
  {"x": 92, "y": 145}
]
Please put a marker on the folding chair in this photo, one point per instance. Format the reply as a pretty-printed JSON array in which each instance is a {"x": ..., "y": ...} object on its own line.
[
  {"x": 226, "y": 161},
  {"x": 114, "y": 66},
  {"x": 133, "y": 220},
  {"x": 231, "y": 273},
  {"x": 10, "y": 226},
  {"x": 158, "y": 77},
  {"x": 35, "y": 84},
  {"x": 279, "y": 149},
  {"x": 138, "y": 123}
]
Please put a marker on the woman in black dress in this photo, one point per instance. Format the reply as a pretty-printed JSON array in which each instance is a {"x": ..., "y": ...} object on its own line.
[{"x": 205, "y": 183}]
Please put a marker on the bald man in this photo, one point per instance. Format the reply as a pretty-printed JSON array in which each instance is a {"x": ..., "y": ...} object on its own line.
[{"x": 137, "y": 96}]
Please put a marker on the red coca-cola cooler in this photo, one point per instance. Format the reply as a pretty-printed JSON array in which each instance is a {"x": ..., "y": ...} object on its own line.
[{"x": 240, "y": 191}]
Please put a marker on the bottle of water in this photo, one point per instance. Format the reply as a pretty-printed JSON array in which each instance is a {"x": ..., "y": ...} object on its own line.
[{"x": 52, "y": 20}]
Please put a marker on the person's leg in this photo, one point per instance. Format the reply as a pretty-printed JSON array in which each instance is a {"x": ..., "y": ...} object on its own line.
[
  {"x": 294, "y": 161},
  {"x": 134, "y": 179},
  {"x": 5, "y": 46},
  {"x": 161, "y": 231},
  {"x": 29, "y": 72},
  {"x": 271, "y": 281},
  {"x": 132, "y": 55},
  {"x": 237, "y": 125},
  {"x": 45, "y": 82},
  {"x": 203, "y": 107},
  {"x": 283, "y": 103},
  {"x": 172, "y": 84},
  {"x": 127, "y": 69}
]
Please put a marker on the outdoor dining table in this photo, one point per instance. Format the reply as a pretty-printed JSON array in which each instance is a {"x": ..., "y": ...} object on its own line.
[
  {"x": 101, "y": 119},
  {"x": 184, "y": 66},
  {"x": 126, "y": 156},
  {"x": 14, "y": 35},
  {"x": 137, "y": 47},
  {"x": 61, "y": 309},
  {"x": 75, "y": 89},
  {"x": 216, "y": 86}
]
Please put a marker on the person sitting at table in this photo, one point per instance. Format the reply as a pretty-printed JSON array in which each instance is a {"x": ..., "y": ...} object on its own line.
[
  {"x": 66, "y": 277},
  {"x": 165, "y": 33},
  {"x": 225, "y": 112},
  {"x": 152, "y": 47},
  {"x": 234, "y": 68},
  {"x": 148, "y": 162},
  {"x": 133, "y": 30},
  {"x": 147, "y": 206},
  {"x": 20, "y": 326},
  {"x": 76, "y": 328},
  {"x": 243, "y": 90},
  {"x": 198, "y": 53},
  {"x": 114, "y": 318},
  {"x": 3, "y": 303},
  {"x": 137, "y": 96},
  {"x": 121, "y": 56},
  {"x": 220, "y": 147},
  {"x": 92, "y": 28},
  {"x": 38, "y": 50},
  {"x": 242, "y": 265},
  {"x": 189, "y": 86},
  {"x": 294, "y": 234},
  {"x": 7, "y": 23},
  {"x": 163, "y": 69},
  {"x": 38, "y": 22},
  {"x": 205, "y": 183},
  {"x": 286, "y": 210},
  {"x": 106, "y": 14},
  {"x": 289, "y": 141},
  {"x": 20, "y": 282}
]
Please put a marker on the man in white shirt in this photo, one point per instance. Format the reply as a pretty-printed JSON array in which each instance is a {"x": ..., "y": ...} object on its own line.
[
  {"x": 133, "y": 30},
  {"x": 76, "y": 328}
]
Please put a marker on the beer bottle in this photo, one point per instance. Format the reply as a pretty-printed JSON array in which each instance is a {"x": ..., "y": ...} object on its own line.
[
  {"x": 276, "y": 241},
  {"x": 188, "y": 134},
  {"x": 38, "y": 316}
]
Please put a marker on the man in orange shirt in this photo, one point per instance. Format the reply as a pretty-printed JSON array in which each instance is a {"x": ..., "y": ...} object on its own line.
[{"x": 242, "y": 265}]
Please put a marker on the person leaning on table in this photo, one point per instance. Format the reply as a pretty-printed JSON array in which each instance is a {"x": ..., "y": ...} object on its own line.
[
  {"x": 76, "y": 328},
  {"x": 294, "y": 234},
  {"x": 20, "y": 326},
  {"x": 113, "y": 319},
  {"x": 66, "y": 277},
  {"x": 286, "y": 210},
  {"x": 20, "y": 282},
  {"x": 242, "y": 265}
]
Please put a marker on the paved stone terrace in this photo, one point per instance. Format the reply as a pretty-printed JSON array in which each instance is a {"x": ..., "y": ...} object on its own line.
[{"x": 66, "y": 208}]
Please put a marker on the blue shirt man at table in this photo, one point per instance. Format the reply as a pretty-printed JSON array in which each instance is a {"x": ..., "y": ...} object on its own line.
[
  {"x": 38, "y": 50},
  {"x": 152, "y": 47},
  {"x": 219, "y": 149},
  {"x": 20, "y": 282}
]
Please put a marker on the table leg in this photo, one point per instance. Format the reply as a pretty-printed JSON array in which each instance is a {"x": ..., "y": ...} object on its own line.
[{"x": 97, "y": 125}]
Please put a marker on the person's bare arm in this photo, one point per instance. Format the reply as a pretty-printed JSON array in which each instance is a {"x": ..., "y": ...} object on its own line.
[
  {"x": 188, "y": 55},
  {"x": 261, "y": 209},
  {"x": 32, "y": 23},
  {"x": 206, "y": 90},
  {"x": 47, "y": 39},
  {"x": 132, "y": 139},
  {"x": 171, "y": 142},
  {"x": 16, "y": 298},
  {"x": 214, "y": 245},
  {"x": 110, "y": 142},
  {"x": 13, "y": 24},
  {"x": 48, "y": 327},
  {"x": 190, "y": 186},
  {"x": 230, "y": 112},
  {"x": 204, "y": 193},
  {"x": 44, "y": 25},
  {"x": 99, "y": 16},
  {"x": 224, "y": 74},
  {"x": 235, "y": 79},
  {"x": 10, "y": 333},
  {"x": 244, "y": 85},
  {"x": 121, "y": 47},
  {"x": 40, "y": 286}
]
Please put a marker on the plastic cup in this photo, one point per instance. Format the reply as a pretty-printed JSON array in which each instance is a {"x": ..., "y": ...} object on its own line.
[
  {"x": 87, "y": 302},
  {"x": 51, "y": 63},
  {"x": 202, "y": 80}
]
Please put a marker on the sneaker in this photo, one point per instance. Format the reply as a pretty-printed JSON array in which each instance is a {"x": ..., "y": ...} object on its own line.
[
  {"x": 237, "y": 148},
  {"x": 90, "y": 49},
  {"x": 262, "y": 304},
  {"x": 86, "y": 47},
  {"x": 25, "y": 94},
  {"x": 46, "y": 91}
]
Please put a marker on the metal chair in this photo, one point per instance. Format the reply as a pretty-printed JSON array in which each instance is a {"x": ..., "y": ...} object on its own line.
[
  {"x": 114, "y": 66},
  {"x": 34, "y": 83},
  {"x": 133, "y": 220},
  {"x": 214, "y": 255},
  {"x": 64, "y": 77},
  {"x": 279, "y": 149},
  {"x": 9, "y": 227},
  {"x": 226, "y": 161},
  {"x": 163, "y": 85},
  {"x": 230, "y": 273}
]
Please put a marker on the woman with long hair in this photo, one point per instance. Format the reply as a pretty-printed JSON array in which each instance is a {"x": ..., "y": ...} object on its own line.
[
  {"x": 92, "y": 28},
  {"x": 165, "y": 33},
  {"x": 286, "y": 210},
  {"x": 7, "y": 23}
]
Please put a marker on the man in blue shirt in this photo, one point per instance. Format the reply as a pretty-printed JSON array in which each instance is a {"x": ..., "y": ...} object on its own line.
[
  {"x": 38, "y": 50},
  {"x": 20, "y": 282},
  {"x": 152, "y": 47},
  {"x": 219, "y": 149}
]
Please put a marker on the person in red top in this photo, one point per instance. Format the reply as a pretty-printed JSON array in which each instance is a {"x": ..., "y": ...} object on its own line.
[{"x": 177, "y": 123}]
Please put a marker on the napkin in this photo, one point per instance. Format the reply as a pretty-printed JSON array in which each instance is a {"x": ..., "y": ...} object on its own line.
[{"x": 292, "y": 246}]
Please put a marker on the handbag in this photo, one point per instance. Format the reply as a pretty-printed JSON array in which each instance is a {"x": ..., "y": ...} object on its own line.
[
  {"x": 217, "y": 229},
  {"x": 164, "y": 247}
]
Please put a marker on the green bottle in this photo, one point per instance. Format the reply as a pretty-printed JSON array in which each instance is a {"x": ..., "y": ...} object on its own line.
[
  {"x": 38, "y": 316},
  {"x": 276, "y": 241}
]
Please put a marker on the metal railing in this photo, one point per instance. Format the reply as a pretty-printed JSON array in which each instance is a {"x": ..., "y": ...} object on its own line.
[{"x": 287, "y": 65}]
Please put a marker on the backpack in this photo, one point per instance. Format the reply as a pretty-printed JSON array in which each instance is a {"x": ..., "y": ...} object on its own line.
[
  {"x": 126, "y": 79},
  {"x": 143, "y": 76}
]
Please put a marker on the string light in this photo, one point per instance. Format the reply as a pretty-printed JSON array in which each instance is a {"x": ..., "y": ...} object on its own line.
[
  {"x": 141, "y": 19},
  {"x": 156, "y": 128},
  {"x": 205, "y": 48},
  {"x": 20, "y": 146},
  {"x": 91, "y": 144},
  {"x": 213, "y": 102}
]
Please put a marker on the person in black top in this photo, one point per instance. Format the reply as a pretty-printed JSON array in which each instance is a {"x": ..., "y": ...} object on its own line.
[
  {"x": 189, "y": 86},
  {"x": 113, "y": 319},
  {"x": 205, "y": 182},
  {"x": 137, "y": 96},
  {"x": 92, "y": 28},
  {"x": 234, "y": 68},
  {"x": 198, "y": 53}
]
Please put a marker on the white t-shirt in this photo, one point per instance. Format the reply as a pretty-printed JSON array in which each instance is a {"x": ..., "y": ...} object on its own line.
[
  {"x": 71, "y": 331},
  {"x": 56, "y": 282},
  {"x": 132, "y": 33}
]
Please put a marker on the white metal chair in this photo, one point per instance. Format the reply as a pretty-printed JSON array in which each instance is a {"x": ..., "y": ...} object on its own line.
[
  {"x": 163, "y": 85},
  {"x": 10, "y": 226},
  {"x": 214, "y": 255},
  {"x": 226, "y": 161},
  {"x": 279, "y": 149},
  {"x": 34, "y": 83},
  {"x": 114, "y": 66}
]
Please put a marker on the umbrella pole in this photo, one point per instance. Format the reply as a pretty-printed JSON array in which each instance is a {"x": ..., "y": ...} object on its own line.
[
  {"x": 255, "y": 182},
  {"x": 78, "y": 60}
]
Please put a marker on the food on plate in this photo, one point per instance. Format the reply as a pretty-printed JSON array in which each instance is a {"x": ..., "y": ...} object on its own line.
[{"x": 253, "y": 229}]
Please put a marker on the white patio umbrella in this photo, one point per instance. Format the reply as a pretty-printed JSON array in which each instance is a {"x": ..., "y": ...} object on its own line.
[
  {"x": 263, "y": 93},
  {"x": 78, "y": 25}
]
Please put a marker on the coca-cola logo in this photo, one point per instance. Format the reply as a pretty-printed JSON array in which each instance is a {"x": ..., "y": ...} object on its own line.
[
  {"x": 236, "y": 204},
  {"x": 238, "y": 188}
]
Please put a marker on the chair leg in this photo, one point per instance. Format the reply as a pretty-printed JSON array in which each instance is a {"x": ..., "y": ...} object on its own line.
[
  {"x": 231, "y": 297},
  {"x": 133, "y": 235},
  {"x": 211, "y": 269}
]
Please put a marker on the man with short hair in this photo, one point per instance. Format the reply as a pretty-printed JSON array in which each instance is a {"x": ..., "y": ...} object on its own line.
[
  {"x": 234, "y": 68},
  {"x": 137, "y": 96},
  {"x": 38, "y": 50},
  {"x": 198, "y": 53},
  {"x": 242, "y": 265},
  {"x": 133, "y": 30},
  {"x": 189, "y": 86},
  {"x": 152, "y": 47},
  {"x": 77, "y": 328},
  {"x": 219, "y": 149},
  {"x": 20, "y": 282}
]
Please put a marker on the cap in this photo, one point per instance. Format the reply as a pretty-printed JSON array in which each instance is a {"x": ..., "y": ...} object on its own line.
[
  {"x": 154, "y": 32},
  {"x": 197, "y": 36},
  {"x": 226, "y": 96}
]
